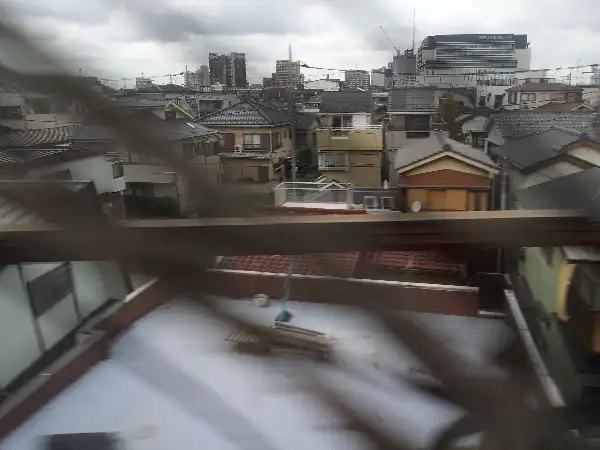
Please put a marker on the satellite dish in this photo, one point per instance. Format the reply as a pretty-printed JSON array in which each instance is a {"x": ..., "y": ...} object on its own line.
[{"x": 416, "y": 206}]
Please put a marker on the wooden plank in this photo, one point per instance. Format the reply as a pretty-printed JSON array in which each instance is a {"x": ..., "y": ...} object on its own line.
[{"x": 170, "y": 238}]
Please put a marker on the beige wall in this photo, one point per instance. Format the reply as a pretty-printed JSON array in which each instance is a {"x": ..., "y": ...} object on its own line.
[
  {"x": 364, "y": 169},
  {"x": 371, "y": 139},
  {"x": 237, "y": 169},
  {"x": 587, "y": 153},
  {"x": 446, "y": 164},
  {"x": 286, "y": 137}
]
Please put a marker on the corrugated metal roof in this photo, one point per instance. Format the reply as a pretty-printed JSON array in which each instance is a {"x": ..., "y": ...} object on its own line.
[
  {"x": 246, "y": 113},
  {"x": 437, "y": 143},
  {"x": 346, "y": 102}
]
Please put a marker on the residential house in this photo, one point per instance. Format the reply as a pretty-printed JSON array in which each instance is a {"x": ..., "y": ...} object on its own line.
[
  {"x": 534, "y": 95},
  {"x": 440, "y": 174},
  {"x": 210, "y": 102},
  {"x": 572, "y": 106},
  {"x": 306, "y": 136},
  {"x": 349, "y": 144},
  {"x": 539, "y": 157},
  {"x": 508, "y": 125},
  {"x": 149, "y": 181},
  {"x": 312, "y": 104},
  {"x": 39, "y": 137},
  {"x": 165, "y": 109},
  {"x": 558, "y": 288},
  {"x": 44, "y": 305},
  {"x": 256, "y": 139},
  {"x": 65, "y": 163},
  {"x": 22, "y": 110}
]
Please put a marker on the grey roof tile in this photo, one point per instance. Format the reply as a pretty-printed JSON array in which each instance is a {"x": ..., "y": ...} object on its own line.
[
  {"x": 21, "y": 155},
  {"x": 246, "y": 113},
  {"x": 513, "y": 124},
  {"x": 42, "y": 137},
  {"x": 435, "y": 144},
  {"x": 346, "y": 102},
  {"x": 528, "y": 151}
]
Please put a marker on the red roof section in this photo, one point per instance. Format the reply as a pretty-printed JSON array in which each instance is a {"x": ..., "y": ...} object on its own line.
[
  {"x": 421, "y": 260},
  {"x": 340, "y": 265}
]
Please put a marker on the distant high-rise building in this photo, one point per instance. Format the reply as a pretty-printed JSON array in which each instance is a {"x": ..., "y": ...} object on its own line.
[
  {"x": 197, "y": 79},
  {"x": 204, "y": 76},
  {"x": 229, "y": 70},
  {"x": 287, "y": 73},
  {"x": 468, "y": 53},
  {"x": 378, "y": 77},
  {"x": 357, "y": 79},
  {"x": 142, "y": 82}
]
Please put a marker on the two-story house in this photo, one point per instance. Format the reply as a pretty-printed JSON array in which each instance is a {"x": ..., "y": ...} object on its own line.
[
  {"x": 534, "y": 95},
  {"x": 349, "y": 144},
  {"x": 151, "y": 184},
  {"x": 439, "y": 174},
  {"x": 256, "y": 139},
  {"x": 22, "y": 110}
]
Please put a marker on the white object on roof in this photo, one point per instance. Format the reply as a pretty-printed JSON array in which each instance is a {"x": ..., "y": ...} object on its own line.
[
  {"x": 416, "y": 206},
  {"x": 261, "y": 300}
]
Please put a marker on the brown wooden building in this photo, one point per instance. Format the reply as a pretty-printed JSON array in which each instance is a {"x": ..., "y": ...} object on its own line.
[{"x": 444, "y": 175}]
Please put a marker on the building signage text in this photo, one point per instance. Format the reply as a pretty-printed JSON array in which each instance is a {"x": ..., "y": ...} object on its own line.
[{"x": 496, "y": 37}]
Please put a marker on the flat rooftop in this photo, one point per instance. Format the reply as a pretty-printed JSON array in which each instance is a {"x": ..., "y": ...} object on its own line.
[{"x": 172, "y": 381}]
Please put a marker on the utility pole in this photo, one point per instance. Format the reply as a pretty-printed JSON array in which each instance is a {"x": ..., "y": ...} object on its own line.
[{"x": 292, "y": 111}]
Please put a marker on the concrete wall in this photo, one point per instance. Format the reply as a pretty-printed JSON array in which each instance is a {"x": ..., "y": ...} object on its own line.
[
  {"x": 237, "y": 169},
  {"x": 96, "y": 169},
  {"x": 26, "y": 338}
]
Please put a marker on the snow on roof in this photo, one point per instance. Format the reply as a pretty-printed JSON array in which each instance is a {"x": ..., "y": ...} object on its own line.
[{"x": 170, "y": 383}]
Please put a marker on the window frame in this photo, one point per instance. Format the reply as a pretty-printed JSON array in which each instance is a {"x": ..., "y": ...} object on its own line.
[
  {"x": 16, "y": 114},
  {"x": 117, "y": 170},
  {"x": 335, "y": 165},
  {"x": 253, "y": 145}
]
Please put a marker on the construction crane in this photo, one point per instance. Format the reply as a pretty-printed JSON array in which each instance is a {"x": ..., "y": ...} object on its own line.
[{"x": 389, "y": 39}]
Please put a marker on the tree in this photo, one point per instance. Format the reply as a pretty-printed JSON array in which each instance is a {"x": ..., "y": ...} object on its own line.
[{"x": 449, "y": 112}]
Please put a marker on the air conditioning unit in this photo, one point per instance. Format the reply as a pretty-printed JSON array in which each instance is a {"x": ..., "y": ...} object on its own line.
[{"x": 237, "y": 148}]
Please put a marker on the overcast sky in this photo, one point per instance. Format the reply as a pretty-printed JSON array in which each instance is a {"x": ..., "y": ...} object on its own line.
[{"x": 158, "y": 37}]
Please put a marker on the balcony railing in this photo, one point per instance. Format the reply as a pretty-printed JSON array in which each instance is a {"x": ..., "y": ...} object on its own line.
[
  {"x": 318, "y": 193},
  {"x": 367, "y": 137}
]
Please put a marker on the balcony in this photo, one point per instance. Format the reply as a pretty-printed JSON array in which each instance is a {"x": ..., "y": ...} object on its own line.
[{"x": 368, "y": 137}]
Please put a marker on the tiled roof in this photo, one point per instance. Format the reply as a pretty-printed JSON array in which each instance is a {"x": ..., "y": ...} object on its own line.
[
  {"x": 245, "y": 155},
  {"x": 325, "y": 264},
  {"x": 173, "y": 130},
  {"x": 528, "y": 151},
  {"x": 246, "y": 113},
  {"x": 346, "y": 102},
  {"x": 413, "y": 100},
  {"x": 514, "y": 124},
  {"x": 418, "y": 260},
  {"x": 437, "y": 143},
  {"x": 42, "y": 137},
  {"x": 555, "y": 106},
  {"x": 544, "y": 87},
  {"x": 16, "y": 156}
]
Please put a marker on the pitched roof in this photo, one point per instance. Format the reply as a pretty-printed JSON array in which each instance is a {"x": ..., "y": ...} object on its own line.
[
  {"x": 17, "y": 156},
  {"x": 514, "y": 124},
  {"x": 246, "y": 113},
  {"x": 346, "y": 102},
  {"x": 43, "y": 137},
  {"x": 528, "y": 151},
  {"x": 570, "y": 106},
  {"x": 326, "y": 264},
  {"x": 575, "y": 191},
  {"x": 172, "y": 130},
  {"x": 415, "y": 99},
  {"x": 437, "y": 143},
  {"x": 544, "y": 87},
  {"x": 418, "y": 260}
]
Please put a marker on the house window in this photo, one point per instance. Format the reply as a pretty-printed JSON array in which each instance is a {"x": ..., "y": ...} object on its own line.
[
  {"x": 40, "y": 106},
  {"x": 527, "y": 97},
  {"x": 252, "y": 142},
  {"x": 512, "y": 98},
  {"x": 276, "y": 140},
  {"x": 11, "y": 112},
  {"x": 170, "y": 114},
  {"x": 418, "y": 126},
  {"x": 557, "y": 97},
  {"x": 117, "y": 170},
  {"x": 482, "y": 100},
  {"x": 333, "y": 160},
  {"x": 140, "y": 189},
  {"x": 50, "y": 288}
]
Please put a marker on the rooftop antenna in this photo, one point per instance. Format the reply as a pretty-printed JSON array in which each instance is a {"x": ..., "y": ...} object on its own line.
[{"x": 413, "y": 34}]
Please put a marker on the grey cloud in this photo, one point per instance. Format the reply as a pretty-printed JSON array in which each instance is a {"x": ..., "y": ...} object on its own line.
[{"x": 84, "y": 12}]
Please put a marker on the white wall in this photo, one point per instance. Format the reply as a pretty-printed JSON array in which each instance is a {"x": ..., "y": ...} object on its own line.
[
  {"x": 95, "y": 168},
  {"x": 493, "y": 90},
  {"x": 322, "y": 85},
  {"x": 19, "y": 346}
]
